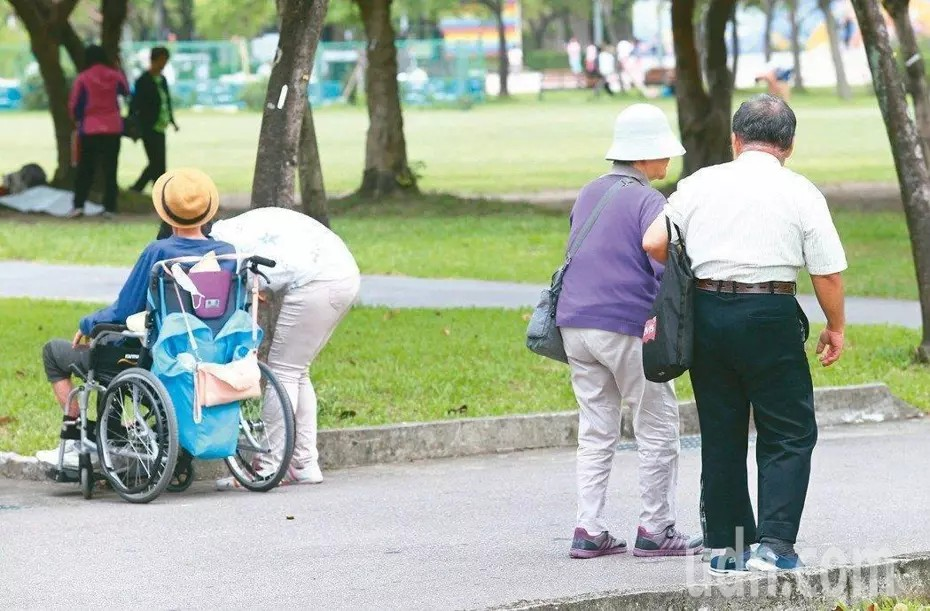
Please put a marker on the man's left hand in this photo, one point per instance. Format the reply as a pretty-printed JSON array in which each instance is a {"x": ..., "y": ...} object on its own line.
[{"x": 830, "y": 346}]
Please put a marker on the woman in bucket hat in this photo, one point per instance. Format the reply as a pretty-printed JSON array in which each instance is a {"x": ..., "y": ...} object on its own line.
[
  {"x": 186, "y": 199},
  {"x": 607, "y": 292}
]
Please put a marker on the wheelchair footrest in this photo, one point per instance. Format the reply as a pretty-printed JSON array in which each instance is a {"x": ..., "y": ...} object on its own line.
[{"x": 63, "y": 476}]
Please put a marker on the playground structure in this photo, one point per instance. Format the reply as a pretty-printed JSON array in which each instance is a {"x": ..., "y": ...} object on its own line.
[{"x": 233, "y": 74}]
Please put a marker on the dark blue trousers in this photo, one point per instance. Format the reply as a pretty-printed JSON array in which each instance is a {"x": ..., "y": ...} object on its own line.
[{"x": 749, "y": 350}]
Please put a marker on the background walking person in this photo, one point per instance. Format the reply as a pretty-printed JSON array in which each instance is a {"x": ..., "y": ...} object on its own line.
[
  {"x": 606, "y": 295},
  {"x": 94, "y": 106},
  {"x": 152, "y": 111},
  {"x": 750, "y": 225}
]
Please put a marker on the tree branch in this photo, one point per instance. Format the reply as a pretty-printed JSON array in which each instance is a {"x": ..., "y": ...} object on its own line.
[
  {"x": 60, "y": 13},
  {"x": 29, "y": 13},
  {"x": 688, "y": 74},
  {"x": 74, "y": 46}
]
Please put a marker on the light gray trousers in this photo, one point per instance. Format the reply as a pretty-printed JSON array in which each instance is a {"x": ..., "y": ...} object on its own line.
[
  {"x": 308, "y": 317},
  {"x": 607, "y": 377}
]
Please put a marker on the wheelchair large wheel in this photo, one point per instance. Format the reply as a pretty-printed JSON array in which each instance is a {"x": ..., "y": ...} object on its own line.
[
  {"x": 254, "y": 465},
  {"x": 137, "y": 436}
]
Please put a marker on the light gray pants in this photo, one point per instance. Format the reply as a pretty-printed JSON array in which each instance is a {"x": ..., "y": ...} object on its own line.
[
  {"x": 308, "y": 317},
  {"x": 607, "y": 377}
]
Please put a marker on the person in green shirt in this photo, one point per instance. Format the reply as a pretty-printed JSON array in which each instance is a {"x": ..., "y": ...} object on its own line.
[{"x": 152, "y": 112}]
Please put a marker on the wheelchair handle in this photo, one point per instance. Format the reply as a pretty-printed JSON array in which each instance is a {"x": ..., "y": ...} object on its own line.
[{"x": 257, "y": 260}]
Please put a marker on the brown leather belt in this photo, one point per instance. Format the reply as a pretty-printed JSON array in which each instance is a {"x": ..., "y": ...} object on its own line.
[{"x": 759, "y": 288}]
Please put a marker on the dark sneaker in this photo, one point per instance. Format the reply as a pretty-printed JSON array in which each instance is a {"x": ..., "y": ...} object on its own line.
[
  {"x": 668, "y": 542},
  {"x": 592, "y": 546},
  {"x": 729, "y": 563},
  {"x": 765, "y": 559}
]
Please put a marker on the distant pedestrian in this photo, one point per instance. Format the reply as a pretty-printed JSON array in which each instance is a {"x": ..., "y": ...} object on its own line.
[
  {"x": 94, "y": 107},
  {"x": 750, "y": 225},
  {"x": 590, "y": 61},
  {"x": 152, "y": 111},
  {"x": 573, "y": 49},
  {"x": 606, "y": 69},
  {"x": 605, "y": 300}
]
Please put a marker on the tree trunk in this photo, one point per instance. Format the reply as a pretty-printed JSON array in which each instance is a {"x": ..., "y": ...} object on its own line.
[
  {"x": 913, "y": 175},
  {"x": 916, "y": 78},
  {"x": 769, "y": 8},
  {"x": 795, "y": 44},
  {"x": 734, "y": 33},
  {"x": 842, "y": 86},
  {"x": 580, "y": 28},
  {"x": 607, "y": 10},
  {"x": 159, "y": 19},
  {"x": 285, "y": 103},
  {"x": 623, "y": 23},
  {"x": 312, "y": 189},
  {"x": 188, "y": 28},
  {"x": 539, "y": 27},
  {"x": 703, "y": 116},
  {"x": 47, "y": 25},
  {"x": 503, "y": 60},
  {"x": 386, "y": 167},
  {"x": 111, "y": 31}
]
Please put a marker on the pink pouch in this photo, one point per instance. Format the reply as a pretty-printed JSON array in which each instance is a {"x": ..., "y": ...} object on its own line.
[
  {"x": 216, "y": 384},
  {"x": 214, "y": 287}
]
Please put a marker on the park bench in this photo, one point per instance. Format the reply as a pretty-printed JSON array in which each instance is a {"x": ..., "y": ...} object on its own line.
[
  {"x": 660, "y": 76},
  {"x": 558, "y": 80}
]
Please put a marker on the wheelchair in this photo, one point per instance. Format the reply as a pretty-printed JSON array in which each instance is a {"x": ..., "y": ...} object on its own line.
[{"x": 135, "y": 436}]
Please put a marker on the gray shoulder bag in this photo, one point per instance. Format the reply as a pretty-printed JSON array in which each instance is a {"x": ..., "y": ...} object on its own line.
[{"x": 542, "y": 335}]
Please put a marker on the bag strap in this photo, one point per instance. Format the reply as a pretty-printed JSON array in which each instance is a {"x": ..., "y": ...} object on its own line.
[
  {"x": 187, "y": 323},
  {"x": 579, "y": 238},
  {"x": 668, "y": 228}
]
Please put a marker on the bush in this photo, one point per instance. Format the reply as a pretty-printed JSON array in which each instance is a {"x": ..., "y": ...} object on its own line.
[
  {"x": 544, "y": 59},
  {"x": 254, "y": 94},
  {"x": 33, "y": 89}
]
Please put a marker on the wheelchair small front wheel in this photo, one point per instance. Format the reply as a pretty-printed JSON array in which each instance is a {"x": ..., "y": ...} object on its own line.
[
  {"x": 137, "y": 436},
  {"x": 183, "y": 475},
  {"x": 266, "y": 437},
  {"x": 87, "y": 480}
]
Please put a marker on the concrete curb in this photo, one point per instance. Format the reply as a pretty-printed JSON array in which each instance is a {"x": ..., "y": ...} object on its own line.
[
  {"x": 904, "y": 576},
  {"x": 341, "y": 448}
]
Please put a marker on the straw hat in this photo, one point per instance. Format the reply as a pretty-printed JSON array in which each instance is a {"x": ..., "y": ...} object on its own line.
[
  {"x": 185, "y": 197},
  {"x": 641, "y": 132}
]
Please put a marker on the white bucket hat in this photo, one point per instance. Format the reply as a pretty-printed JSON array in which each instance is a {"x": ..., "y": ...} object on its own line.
[{"x": 642, "y": 132}]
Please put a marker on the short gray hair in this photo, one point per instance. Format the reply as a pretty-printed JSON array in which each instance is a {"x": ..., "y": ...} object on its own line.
[{"x": 765, "y": 119}]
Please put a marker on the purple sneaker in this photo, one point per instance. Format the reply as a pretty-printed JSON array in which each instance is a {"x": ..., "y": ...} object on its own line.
[
  {"x": 668, "y": 542},
  {"x": 591, "y": 546}
]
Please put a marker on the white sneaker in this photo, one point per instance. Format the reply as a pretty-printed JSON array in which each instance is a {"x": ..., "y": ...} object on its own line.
[
  {"x": 310, "y": 474},
  {"x": 50, "y": 457},
  {"x": 71, "y": 459}
]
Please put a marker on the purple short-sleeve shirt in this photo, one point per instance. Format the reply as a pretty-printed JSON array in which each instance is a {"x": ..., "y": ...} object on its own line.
[{"x": 612, "y": 283}]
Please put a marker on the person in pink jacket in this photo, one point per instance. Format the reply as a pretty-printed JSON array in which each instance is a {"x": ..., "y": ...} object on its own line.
[{"x": 94, "y": 106}]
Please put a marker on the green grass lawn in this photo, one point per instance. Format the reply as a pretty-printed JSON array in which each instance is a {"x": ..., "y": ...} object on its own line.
[
  {"x": 520, "y": 146},
  {"x": 386, "y": 366},
  {"x": 444, "y": 237}
]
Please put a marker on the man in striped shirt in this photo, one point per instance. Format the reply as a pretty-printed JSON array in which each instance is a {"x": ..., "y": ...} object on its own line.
[{"x": 749, "y": 227}]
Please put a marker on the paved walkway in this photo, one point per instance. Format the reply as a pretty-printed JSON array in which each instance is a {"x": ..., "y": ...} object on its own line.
[
  {"x": 459, "y": 533},
  {"x": 101, "y": 284}
]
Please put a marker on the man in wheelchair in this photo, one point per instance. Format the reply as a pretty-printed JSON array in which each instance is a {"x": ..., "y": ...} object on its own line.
[{"x": 186, "y": 199}]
